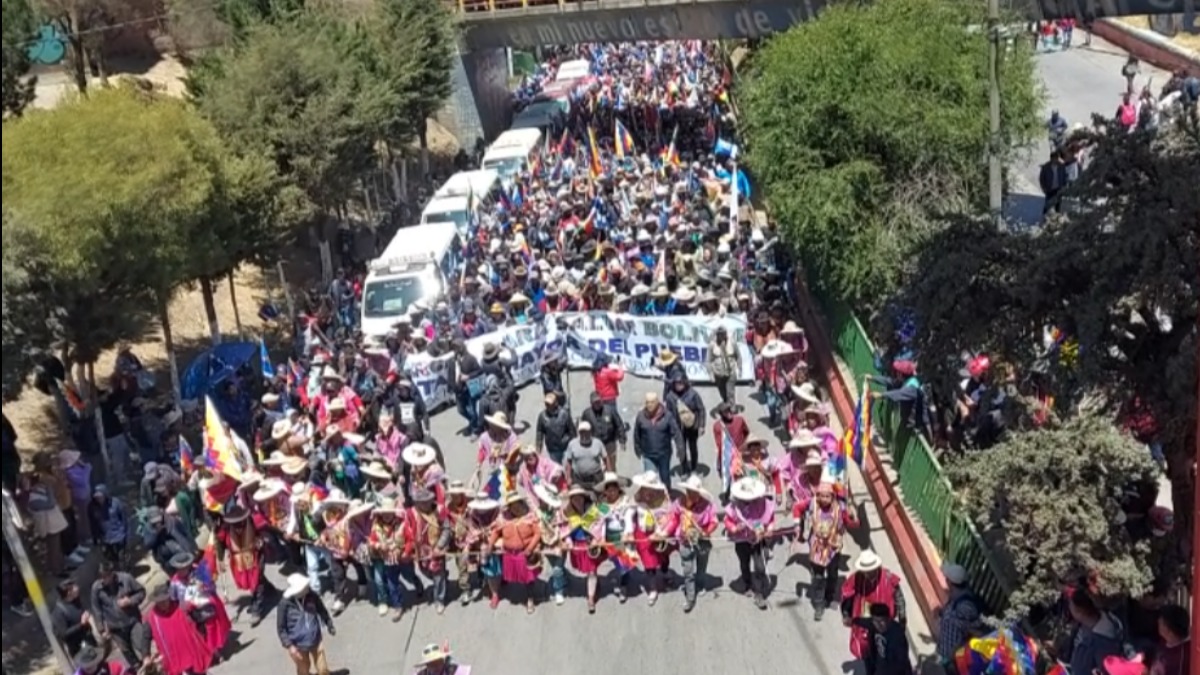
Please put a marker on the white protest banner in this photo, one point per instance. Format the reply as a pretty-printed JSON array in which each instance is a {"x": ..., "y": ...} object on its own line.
[
  {"x": 635, "y": 341},
  {"x": 631, "y": 341}
]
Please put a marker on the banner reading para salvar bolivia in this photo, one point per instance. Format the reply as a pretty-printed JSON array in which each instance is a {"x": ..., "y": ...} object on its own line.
[{"x": 631, "y": 341}]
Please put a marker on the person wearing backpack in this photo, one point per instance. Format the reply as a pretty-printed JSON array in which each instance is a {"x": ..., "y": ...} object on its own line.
[
  {"x": 684, "y": 402},
  {"x": 961, "y": 618},
  {"x": 1098, "y": 634}
]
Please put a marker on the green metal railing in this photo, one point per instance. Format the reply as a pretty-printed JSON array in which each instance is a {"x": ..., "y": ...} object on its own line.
[{"x": 925, "y": 489}]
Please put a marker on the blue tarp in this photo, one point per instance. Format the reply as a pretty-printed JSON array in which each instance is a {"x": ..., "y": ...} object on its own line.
[{"x": 214, "y": 366}]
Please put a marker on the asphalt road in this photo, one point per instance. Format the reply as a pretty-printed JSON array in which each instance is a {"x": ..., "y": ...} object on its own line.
[
  {"x": 725, "y": 633},
  {"x": 1079, "y": 82}
]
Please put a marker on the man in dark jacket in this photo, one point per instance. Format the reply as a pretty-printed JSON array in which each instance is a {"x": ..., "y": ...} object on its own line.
[
  {"x": 655, "y": 432},
  {"x": 1053, "y": 179},
  {"x": 117, "y": 606},
  {"x": 888, "y": 653},
  {"x": 301, "y": 615},
  {"x": 1098, "y": 634},
  {"x": 72, "y": 623},
  {"x": 685, "y": 404},
  {"x": 555, "y": 429},
  {"x": 607, "y": 427},
  {"x": 166, "y": 537}
]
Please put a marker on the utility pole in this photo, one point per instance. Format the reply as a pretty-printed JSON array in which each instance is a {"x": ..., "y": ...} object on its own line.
[
  {"x": 36, "y": 597},
  {"x": 995, "y": 169},
  {"x": 1195, "y": 646}
]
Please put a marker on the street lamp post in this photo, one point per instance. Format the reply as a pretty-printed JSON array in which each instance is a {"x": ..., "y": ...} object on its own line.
[{"x": 995, "y": 169}]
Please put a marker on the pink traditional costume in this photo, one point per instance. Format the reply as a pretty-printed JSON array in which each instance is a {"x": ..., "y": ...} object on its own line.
[
  {"x": 425, "y": 472},
  {"x": 748, "y": 521},
  {"x": 801, "y": 472},
  {"x": 518, "y": 535},
  {"x": 816, "y": 418},
  {"x": 390, "y": 441},
  {"x": 343, "y": 399},
  {"x": 869, "y": 584},
  {"x": 535, "y": 469},
  {"x": 496, "y": 446},
  {"x": 754, "y": 462},
  {"x": 181, "y": 648},
  {"x": 646, "y": 522},
  {"x": 691, "y": 522}
]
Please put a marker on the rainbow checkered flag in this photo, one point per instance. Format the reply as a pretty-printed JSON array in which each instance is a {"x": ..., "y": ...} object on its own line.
[{"x": 857, "y": 437}]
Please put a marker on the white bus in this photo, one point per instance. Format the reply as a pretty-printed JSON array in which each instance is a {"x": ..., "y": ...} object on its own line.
[{"x": 418, "y": 264}]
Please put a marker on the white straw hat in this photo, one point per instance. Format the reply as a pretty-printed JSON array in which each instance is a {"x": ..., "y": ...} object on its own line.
[
  {"x": 867, "y": 561},
  {"x": 748, "y": 489}
]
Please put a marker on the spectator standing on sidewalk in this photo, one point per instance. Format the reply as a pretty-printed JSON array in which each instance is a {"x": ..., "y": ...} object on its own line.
[
  {"x": 49, "y": 524},
  {"x": 78, "y": 478},
  {"x": 110, "y": 523},
  {"x": 724, "y": 364},
  {"x": 116, "y": 605}
]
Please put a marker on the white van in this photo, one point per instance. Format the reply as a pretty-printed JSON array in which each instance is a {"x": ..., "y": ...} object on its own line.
[
  {"x": 451, "y": 203},
  {"x": 418, "y": 264},
  {"x": 513, "y": 151},
  {"x": 573, "y": 70}
]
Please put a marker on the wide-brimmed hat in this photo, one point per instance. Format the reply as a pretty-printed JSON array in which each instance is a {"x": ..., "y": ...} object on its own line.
[
  {"x": 748, "y": 489},
  {"x": 296, "y": 584},
  {"x": 293, "y": 466},
  {"x": 610, "y": 478},
  {"x": 419, "y": 454},
  {"x": 806, "y": 392},
  {"x": 660, "y": 292},
  {"x": 790, "y": 328},
  {"x": 528, "y": 450},
  {"x": 518, "y": 298},
  {"x": 804, "y": 439},
  {"x": 695, "y": 485},
  {"x": 498, "y": 420},
  {"x": 336, "y": 500},
  {"x": 818, "y": 409},
  {"x": 422, "y": 495},
  {"x": 281, "y": 429},
  {"x": 300, "y": 492},
  {"x": 432, "y": 654},
  {"x": 483, "y": 502},
  {"x": 251, "y": 478},
  {"x": 88, "y": 658},
  {"x": 775, "y": 349},
  {"x": 813, "y": 459},
  {"x": 515, "y": 498},
  {"x": 359, "y": 508},
  {"x": 269, "y": 489},
  {"x": 387, "y": 507},
  {"x": 548, "y": 495},
  {"x": 338, "y": 403},
  {"x": 457, "y": 487},
  {"x": 867, "y": 561},
  {"x": 376, "y": 469},
  {"x": 578, "y": 490},
  {"x": 667, "y": 356},
  {"x": 753, "y": 439},
  {"x": 69, "y": 458},
  {"x": 235, "y": 514},
  {"x": 332, "y": 374},
  {"x": 181, "y": 561},
  {"x": 649, "y": 480},
  {"x": 490, "y": 351},
  {"x": 277, "y": 458}
]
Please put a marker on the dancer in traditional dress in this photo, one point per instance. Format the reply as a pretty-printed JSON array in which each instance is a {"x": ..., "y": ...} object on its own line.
[
  {"x": 380, "y": 486},
  {"x": 342, "y": 541},
  {"x": 535, "y": 469},
  {"x": 801, "y": 472},
  {"x": 754, "y": 461},
  {"x": 239, "y": 536},
  {"x": 730, "y": 433},
  {"x": 182, "y": 650},
  {"x": 646, "y": 528},
  {"x": 554, "y": 541},
  {"x": 457, "y": 499},
  {"x": 613, "y": 506},
  {"x": 272, "y": 510},
  {"x": 425, "y": 472},
  {"x": 748, "y": 521},
  {"x": 518, "y": 537},
  {"x": 825, "y": 519},
  {"x": 495, "y": 448},
  {"x": 585, "y": 532},
  {"x": 427, "y": 534},
  {"x": 304, "y": 529},
  {"x": 193, "y": 588},
  {"x": 475, "y": 553},
  {"x": 867, "y": 585},
  {"x": 692, "y": 520},
  {"x": 387, "y": 545}
]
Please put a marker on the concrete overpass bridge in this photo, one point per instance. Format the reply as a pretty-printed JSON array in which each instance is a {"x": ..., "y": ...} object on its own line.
[{"x": 488, "y": 24}]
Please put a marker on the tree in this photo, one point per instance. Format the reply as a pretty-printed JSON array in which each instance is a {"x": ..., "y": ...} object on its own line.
[
  {"x": 104, "y": 250},
  {"x": 28, "y": 327},
  {"x": 1053, "y": 497},
  {"x": 415, "y": 40},
  {"x": 19, "y": 28},
  {"x": 1119, "y": 278},
  {"x": 846, "y": 121},
  {"x": 294, "y": 91}
]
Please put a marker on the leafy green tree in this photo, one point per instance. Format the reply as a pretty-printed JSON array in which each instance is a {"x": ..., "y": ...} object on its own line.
[
  {"x": 28, "y": 329},
  {"x": 415, "y": 41},
  {"x": 1053, "y": 495},
  {"x": 865, "y": 126},
  {"x": 295, "y": 91},
  {"x": 103, "y": 250},
  {"x": 1119, "y": 277},
  {"x": 19, "y": 28}
]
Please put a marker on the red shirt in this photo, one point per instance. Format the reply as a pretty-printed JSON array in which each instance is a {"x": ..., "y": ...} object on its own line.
[{"x": 607, "y": 382}]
